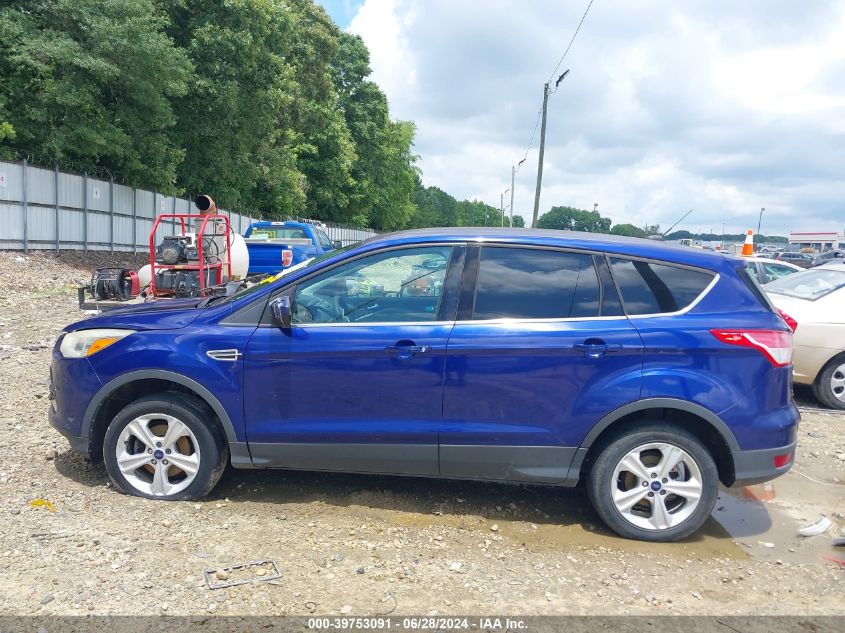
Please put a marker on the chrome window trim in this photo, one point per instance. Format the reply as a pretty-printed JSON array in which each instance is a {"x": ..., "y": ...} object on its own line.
[
  {"x": 695, "y": 302},
  {"x": 502, "y": 321}
]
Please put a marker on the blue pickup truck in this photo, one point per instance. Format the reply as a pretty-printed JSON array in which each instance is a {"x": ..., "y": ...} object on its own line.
[{"x": 275, "y": 246}]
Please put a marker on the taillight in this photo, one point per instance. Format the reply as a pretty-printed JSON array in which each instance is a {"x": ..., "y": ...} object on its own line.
[
  {"x": 287, "y": 257},
  {"x": 775, "y": 345},
  {"x": 792, "y": 323}
]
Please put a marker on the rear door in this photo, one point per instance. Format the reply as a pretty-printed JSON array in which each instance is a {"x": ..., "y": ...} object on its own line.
[{"x": 540, "y": 352}]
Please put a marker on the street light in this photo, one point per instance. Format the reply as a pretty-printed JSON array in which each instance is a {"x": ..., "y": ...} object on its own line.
[{"x": 513, "y": 176}]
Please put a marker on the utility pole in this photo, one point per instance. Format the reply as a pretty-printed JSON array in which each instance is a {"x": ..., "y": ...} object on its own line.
[
  {"x": 502, "y": 207},
  {"x": 540, "y": 160},
  {"x": 760, "y": 219},
  {"x": 513, "y": 177}
]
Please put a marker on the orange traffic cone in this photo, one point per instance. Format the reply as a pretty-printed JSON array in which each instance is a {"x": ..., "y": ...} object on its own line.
[{"x": 748, "y": 247}]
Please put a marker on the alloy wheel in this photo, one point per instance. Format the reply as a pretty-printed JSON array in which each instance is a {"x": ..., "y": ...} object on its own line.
[
  {"x": 656, "y": 486},
  {"x": 158, "y": 454}
]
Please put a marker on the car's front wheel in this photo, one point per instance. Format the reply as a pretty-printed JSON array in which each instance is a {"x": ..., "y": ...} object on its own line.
[
  {"x": 829, "y": 386},
  {"x": 656, "y": 482},
  {"x": 165, "y": 446}
]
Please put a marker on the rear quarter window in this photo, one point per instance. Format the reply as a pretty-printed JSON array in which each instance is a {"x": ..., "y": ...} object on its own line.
[{"x": 650, "y": 288}]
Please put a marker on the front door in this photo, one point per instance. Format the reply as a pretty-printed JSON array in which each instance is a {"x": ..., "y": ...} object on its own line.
[
  {"x": 356, "y": 384},
  {"x": 539, "y": 354}
]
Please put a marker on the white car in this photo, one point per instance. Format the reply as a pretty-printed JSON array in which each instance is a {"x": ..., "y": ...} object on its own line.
[
  {"x": 765, "y": 270},
  {"x": 815, "y": 299}
]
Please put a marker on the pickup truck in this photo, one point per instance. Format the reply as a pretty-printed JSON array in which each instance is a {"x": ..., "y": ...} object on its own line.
[{"x": 276, "y": 246}]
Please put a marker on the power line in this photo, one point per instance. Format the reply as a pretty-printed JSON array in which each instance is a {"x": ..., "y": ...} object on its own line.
[{"x": 574, "y": 35}]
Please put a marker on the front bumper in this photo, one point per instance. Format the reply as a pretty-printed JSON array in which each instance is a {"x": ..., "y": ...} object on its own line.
[
  {"x": 754, "y": 467},
  {"x": 79, "y": 444},
  {"x": 73, "y": 383}
]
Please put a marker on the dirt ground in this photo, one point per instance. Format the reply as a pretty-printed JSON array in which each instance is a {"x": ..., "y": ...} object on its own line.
[{"x": 360, "y": 545}]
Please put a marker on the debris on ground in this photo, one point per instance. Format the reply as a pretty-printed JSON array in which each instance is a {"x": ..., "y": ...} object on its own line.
[
  {"x": 242, "y": 574},
  {"x": 42, "y": 503},
  {"x": 819, "y": 526}
]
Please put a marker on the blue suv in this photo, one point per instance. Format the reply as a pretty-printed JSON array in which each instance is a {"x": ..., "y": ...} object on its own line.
[{"x": 645, "y": 373}]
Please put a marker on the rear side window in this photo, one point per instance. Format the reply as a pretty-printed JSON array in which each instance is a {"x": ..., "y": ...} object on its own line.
[
  {"x": 649, "y": 288},
  {"x": 523, "y": 283}
]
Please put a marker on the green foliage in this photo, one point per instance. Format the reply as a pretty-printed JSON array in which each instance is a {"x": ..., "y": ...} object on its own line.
[
  {"x": 628, "y": 229},
  {"x": 435, "y": 207},
  {"x": 91, "y": 83},
  {"x": 570, "y": 218},
  {"x": 518, "y": 221},
  {"x": 759, "y": 238},
  {"x": 383, "y": 175},
  {"x": 264, "y": 104}
]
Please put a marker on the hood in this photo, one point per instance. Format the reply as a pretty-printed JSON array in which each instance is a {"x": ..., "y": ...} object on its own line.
[{"x": 161, "y": 314}]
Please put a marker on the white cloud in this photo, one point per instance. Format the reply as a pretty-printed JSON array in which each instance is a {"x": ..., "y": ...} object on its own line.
[{"x": 722, "y": 107}]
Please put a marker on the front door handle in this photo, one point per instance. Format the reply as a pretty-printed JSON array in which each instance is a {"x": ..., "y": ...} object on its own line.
[{"x": 406, "y": 349}]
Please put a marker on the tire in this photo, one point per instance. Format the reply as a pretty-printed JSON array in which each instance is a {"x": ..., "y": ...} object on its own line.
[
  {"x": 626, "y": 463},
  {"x": 165, "y": 446},
  {"x": 829, "y": 385}
]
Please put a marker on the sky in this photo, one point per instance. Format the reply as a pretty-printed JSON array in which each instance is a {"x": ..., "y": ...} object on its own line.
[{"x": 721, "y": 107}]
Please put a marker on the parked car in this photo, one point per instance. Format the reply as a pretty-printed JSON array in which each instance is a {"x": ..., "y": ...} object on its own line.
[
  {"x": 765, "y": 270},
  {"x": 804, "y": 260},
  {"x": 829, "y": 256},
  {"x": 815, "y": 299},
  {"x": 649, "y": 373},
  {"x": 275, "y": 246}
]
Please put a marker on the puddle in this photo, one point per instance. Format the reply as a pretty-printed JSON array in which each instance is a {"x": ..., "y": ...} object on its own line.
[
  {"x": 765, "y": 530},
  {"x": 546, "y": 519}
]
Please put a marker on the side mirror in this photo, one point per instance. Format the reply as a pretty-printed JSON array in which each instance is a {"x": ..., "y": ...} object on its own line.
[
  {"x": 337, "y": 244},
  {"x": 280, "y": 307}
]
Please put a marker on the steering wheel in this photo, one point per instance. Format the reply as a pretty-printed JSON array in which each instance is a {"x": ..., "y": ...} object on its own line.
[{"x": 320, "y": 310}]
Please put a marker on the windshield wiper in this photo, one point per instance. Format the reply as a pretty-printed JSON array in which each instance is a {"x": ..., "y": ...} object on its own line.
[{"x": 209, "y": 300}]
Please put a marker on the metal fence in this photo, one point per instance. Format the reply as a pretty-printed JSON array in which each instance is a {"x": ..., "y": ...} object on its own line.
[{"x": 48, "y": 209}]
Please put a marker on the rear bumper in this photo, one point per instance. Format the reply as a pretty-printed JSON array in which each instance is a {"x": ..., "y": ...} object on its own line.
[{"x": 754, "y": 467}]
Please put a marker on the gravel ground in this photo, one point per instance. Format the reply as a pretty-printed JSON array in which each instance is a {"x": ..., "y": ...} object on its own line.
[{"x": 358, "y": 545}]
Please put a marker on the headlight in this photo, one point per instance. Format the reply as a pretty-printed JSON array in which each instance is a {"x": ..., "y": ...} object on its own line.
[{"x": 87, "y": 342}]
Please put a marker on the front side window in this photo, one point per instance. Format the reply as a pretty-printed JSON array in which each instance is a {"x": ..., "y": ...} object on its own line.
[
  {"x": 649, "y": 288},
  {"x": 523, "y": 283},
  {"x": 393, "y": 286}
]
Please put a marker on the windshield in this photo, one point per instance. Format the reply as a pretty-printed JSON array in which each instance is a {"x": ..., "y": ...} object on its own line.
[
  {"x": 810, "y": 284},
  {"x": 255, "y": 287}
]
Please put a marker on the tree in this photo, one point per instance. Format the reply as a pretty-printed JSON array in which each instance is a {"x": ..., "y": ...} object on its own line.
[
  {"x": 235, "y": 125},
  {"x": 628, "y": 229},
  {"x": 89, "y": 83},
  {"x": 518, "y": 221},
  {"x": 383, "y": 174},
  {"x": 326, "y": 151},
  {"x": 570, "y": 218}
]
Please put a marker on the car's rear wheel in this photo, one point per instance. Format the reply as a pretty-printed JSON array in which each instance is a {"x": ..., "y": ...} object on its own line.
[
  {"x": 655, "y": 482},
  {"x": 829, "y": 385},
  {"x": 165, "y": 446}
]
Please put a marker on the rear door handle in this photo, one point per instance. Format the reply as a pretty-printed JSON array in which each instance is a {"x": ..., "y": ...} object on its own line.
[{"x": 595, "y": 347}]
